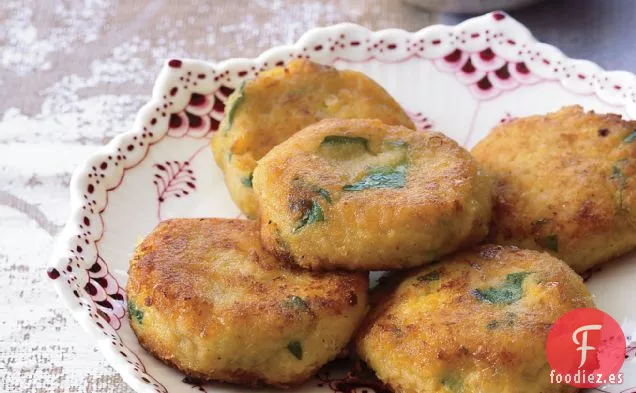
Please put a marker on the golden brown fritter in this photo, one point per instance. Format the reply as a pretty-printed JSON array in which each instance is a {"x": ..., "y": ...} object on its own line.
[
  {"x": 362, "y": 195},
  {"x": 279, "y": 102},
  {"x": 564, "y": 183},
  {"x": 477, "y": 322},
  {"x": 204, "y": 297}
]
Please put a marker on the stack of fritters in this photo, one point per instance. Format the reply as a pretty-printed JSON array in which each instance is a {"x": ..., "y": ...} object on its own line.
[
  {"x": 341, "y": 184},
  {"x": 266, "y": 111}
]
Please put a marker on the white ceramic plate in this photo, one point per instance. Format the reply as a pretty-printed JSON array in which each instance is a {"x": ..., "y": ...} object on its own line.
[{"x": 461, "y": 80}]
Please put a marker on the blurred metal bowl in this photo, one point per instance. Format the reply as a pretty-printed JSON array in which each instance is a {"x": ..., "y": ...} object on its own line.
[{"x": 470, "y": 6}]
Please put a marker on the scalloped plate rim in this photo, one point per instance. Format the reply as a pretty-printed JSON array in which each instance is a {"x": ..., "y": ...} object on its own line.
[{"x": 76, "y": 185}]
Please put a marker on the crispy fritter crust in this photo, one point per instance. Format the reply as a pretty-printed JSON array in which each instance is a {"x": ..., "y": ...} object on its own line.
[
  {"x": 442, "y": 204},
  {"x": 564, "y": 183},
  {"x": 281, "y": 101},
  {"x": 205, "y": 298},
  {"x": 436, "y": 331}
]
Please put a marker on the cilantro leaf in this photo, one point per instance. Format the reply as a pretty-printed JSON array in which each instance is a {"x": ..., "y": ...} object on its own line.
[
  {"x": 247, "y": 180},
  {"x": 380, "y": 178},
  {"x": 135, "y": 313},
  {"x": 540, "y": 222},
  {"x": 551, "y": 242},
  {"x": 295, "y": 349},
  {"x": 397, "y": 143},
  {"x": 238, "y": 98},
  {"x": 619, "y": 177},
  {"x": 312, "y": 215},
  {"x": 297, "y": 303},
  {"x": 507, "y": 293},
  {"x": 323, "y": 193},
  {"x": 341, "y": 139},
  {"x": 453, "y": 383},
  {"x": 430, "y": 276},
  {"x": 617, "y": 174}
]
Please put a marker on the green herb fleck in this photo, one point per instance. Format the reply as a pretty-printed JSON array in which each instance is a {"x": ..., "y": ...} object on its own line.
[
  {"x": 453, "y": 383},
  {"x": 551, "y": 242},
  {"x": 303, "y": 188},
  {"x": 247, "y": 180},
  {"x": 303, "y": 202},
  {"x": 323, "y": 193},
  {"x": 539, "y": 222},
  {"x": 630, "y": 138},
  {"x": 295, "y": 349},
  {"x": 281, "y": 244},
  {"x": 396, "y": 330},
  {"x": 507, "y": 293},
  {"x": 510, "y": 319},
  {"x": 135, "y": 313},
  {"x": 341, "y": 139},
  {"x": 238, "y": 97},
  {"x": 229, "y": 156},
  {"x": 619, "y": 177},
  {"x": 312, "y": 215},
  {"x": 397, "y": 143},
  {"x": 296, "y": 302},
  {"x": 430, "y": 276},
  {"x": 380, "y": 178}
]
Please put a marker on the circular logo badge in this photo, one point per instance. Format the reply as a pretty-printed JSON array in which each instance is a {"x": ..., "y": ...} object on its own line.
[{"x": 586, "y": 349}]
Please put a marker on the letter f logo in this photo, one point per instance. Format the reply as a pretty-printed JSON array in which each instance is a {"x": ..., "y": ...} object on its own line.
[
  {"x": 584, "y": 348},
  {"x": 579, "y": 335}
]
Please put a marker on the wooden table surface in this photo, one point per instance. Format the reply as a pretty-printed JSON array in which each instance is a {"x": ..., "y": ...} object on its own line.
[{"x": 72, "y": 76}]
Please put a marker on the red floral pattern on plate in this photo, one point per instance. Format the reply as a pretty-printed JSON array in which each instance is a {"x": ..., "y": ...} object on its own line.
[
  {"x": 201, "y": 116},
  {"x": 421, "y": 122},
  {"x": 485, "y": 73}
]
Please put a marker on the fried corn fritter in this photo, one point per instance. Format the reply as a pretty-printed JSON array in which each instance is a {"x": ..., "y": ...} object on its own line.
[
  {"x": 477, "y": 322},
  {"x": 564, "y": 183},
  {"x": 204, "y": 297},
  {"x": 279, "y": 102},
  {"x": 358, "y": 194}
]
